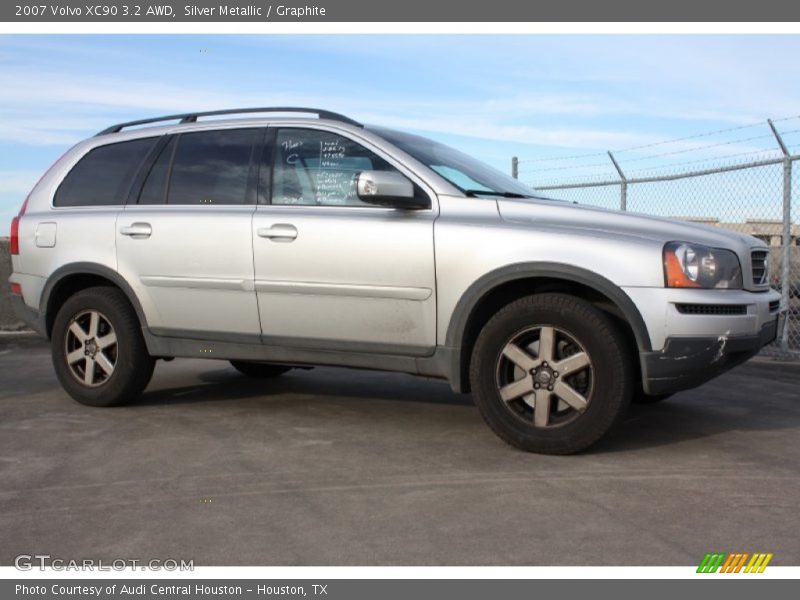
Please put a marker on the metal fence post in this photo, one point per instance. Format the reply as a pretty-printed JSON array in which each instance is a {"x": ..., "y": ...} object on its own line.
[
  {"x": 786, "y": 238},
  {"x": 623, "y": 186},
  {"x": 786, "y": 248},
  {"x": 515, "y": 167}
]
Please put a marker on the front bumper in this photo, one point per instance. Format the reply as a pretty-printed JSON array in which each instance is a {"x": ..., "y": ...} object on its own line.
[
  {"x": 686, "y": 362},
  {"x": 659, "y": 308}
]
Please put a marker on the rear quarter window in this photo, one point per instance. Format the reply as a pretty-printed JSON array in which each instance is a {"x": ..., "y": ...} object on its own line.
[{"x": 103, "y": 175}]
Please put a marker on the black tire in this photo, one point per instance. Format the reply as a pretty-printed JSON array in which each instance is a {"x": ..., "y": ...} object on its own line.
[
  {"x": 132, "y": 365},
  {"x": 259, "y": 370},
  {"x": 641, "y": 398},
  {"x": 580, "y": 328}
]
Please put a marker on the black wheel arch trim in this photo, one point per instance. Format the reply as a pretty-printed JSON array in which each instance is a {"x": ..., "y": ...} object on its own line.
[
  {"x": 86, "y": 268},
  {"x": 471, "y": 298}
]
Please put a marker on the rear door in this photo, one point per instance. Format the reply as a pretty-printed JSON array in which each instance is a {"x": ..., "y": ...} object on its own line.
[
  {"x": 332, "y": 272},
  {"x": 184, "y": 240}
]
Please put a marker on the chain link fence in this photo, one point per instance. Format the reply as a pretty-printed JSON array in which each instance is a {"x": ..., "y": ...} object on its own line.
[{"x": 744, "y": 179}]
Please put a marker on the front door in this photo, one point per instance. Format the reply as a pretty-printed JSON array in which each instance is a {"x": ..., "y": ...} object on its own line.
[{"x": 332, "y": 272}]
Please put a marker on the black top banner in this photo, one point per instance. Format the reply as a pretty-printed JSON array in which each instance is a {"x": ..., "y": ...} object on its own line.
[{"x": 408, "y": 10}]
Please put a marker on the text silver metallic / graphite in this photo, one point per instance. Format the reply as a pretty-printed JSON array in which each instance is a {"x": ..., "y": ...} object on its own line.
[{"x": 253, "y": 10}]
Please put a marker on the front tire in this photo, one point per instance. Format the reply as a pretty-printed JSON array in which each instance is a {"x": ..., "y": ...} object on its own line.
[
  {"x": 551, "y": 373},
  {"x": 97, "y": 347}
]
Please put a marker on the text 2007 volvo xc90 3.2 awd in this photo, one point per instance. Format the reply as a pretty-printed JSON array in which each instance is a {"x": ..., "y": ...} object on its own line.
[{"x": 298, "y": 237}]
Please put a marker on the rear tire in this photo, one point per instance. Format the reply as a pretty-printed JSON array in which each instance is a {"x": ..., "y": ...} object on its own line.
[
  {"x": 259, "y": 370},
  {"x": 563, "y": 367},
  {"x": 97, "y": 347}
]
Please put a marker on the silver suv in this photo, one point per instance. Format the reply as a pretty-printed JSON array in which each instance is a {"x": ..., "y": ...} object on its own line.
[{"x": 309, "y": 239}]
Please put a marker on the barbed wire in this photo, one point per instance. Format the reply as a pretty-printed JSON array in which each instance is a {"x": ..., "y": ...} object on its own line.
[
  {"x": 553, "y": 158},
  {"x": 588, "y": 179},
  {"x": 617, "y": 153},
  {"x": 674, "y": 153},
  {"x": 698, "y": 148},
  {"x": 786, "y": 118},
  {"x": 568, "y": 167},
  {"x": 712, "y": 167},
  {"x": 716, "y": 159},
  {"x": 692, "y": 137}
]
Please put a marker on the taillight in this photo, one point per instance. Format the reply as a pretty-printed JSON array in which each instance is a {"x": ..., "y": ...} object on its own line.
[
  {"x": 13, "y": 244},
  {"x": 16, "y": 289}
]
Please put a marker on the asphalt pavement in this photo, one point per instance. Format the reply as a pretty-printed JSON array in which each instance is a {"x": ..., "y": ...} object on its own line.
[{"x": 343, "y": 467}]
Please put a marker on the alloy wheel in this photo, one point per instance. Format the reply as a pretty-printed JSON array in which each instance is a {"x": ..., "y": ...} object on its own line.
[
  {"x": 91, "y": 348},
  {"x": 544, "y": 376}
]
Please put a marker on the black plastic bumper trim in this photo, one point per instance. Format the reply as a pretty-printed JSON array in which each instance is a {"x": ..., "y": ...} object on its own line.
[
  {"x": 685, "y": 363},
  {"x": 26, "y": 314}
]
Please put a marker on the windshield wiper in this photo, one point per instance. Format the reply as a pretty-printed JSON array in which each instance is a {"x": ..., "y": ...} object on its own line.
[{"x": 474, "y": 193}]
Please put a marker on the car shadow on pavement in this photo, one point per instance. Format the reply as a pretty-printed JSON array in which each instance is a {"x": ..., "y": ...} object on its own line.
[
  {"x": 753, "y": 398},
  {"x": 227, "y": 384},
  {"x": 724, "y": 405},
  {"x": 702, "y": 413}
]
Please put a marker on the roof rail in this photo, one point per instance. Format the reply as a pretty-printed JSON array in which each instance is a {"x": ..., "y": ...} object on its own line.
[{"x": 192, "y": 117}]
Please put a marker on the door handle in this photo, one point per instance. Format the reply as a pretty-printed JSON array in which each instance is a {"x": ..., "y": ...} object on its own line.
[
  {"x": 280, "y": 232},
  {"x": 137, "y": 230}
]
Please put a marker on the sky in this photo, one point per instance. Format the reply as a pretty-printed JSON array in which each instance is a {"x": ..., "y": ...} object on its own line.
[{"x": 539, "y": 97}]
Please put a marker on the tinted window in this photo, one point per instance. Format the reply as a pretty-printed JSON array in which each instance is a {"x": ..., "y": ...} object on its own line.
[
  {"x": 154, "y": 190},
  {"x": 212, "y": 167},
  {"x": 102, "y": 177},
  {"x": 319, "y": 168}
]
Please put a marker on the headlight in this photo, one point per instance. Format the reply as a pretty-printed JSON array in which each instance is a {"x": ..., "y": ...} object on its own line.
[{"x": 693, "y": 266}]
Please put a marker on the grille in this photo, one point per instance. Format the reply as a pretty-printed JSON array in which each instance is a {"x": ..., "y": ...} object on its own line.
[
  {"x": 758, "y": 259},
  {"x": 774, "y": 305},
  {"x": 712, "y": 309}
]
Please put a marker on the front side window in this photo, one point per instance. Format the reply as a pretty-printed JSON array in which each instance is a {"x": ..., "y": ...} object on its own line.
[
  {"x": 319, "y": 168},
  {"x": 103, "y": 175}
]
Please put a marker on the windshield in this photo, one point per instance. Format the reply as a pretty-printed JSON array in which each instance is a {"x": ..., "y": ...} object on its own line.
[{"x": 466, "y": 173}]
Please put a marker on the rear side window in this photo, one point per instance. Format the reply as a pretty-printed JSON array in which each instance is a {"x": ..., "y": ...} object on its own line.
[
  {"x": 102, "y": 177},
  {"x": 212, "y": 167}
]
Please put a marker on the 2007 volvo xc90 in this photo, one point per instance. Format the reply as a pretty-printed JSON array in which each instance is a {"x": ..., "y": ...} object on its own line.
[{"x": 308, "y": 239}]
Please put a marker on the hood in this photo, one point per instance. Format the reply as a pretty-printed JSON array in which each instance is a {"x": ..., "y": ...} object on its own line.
[{"x": 552, "y": 214}]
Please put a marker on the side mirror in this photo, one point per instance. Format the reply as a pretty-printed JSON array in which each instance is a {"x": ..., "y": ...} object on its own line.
[{"x": 387, "y": 188}]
